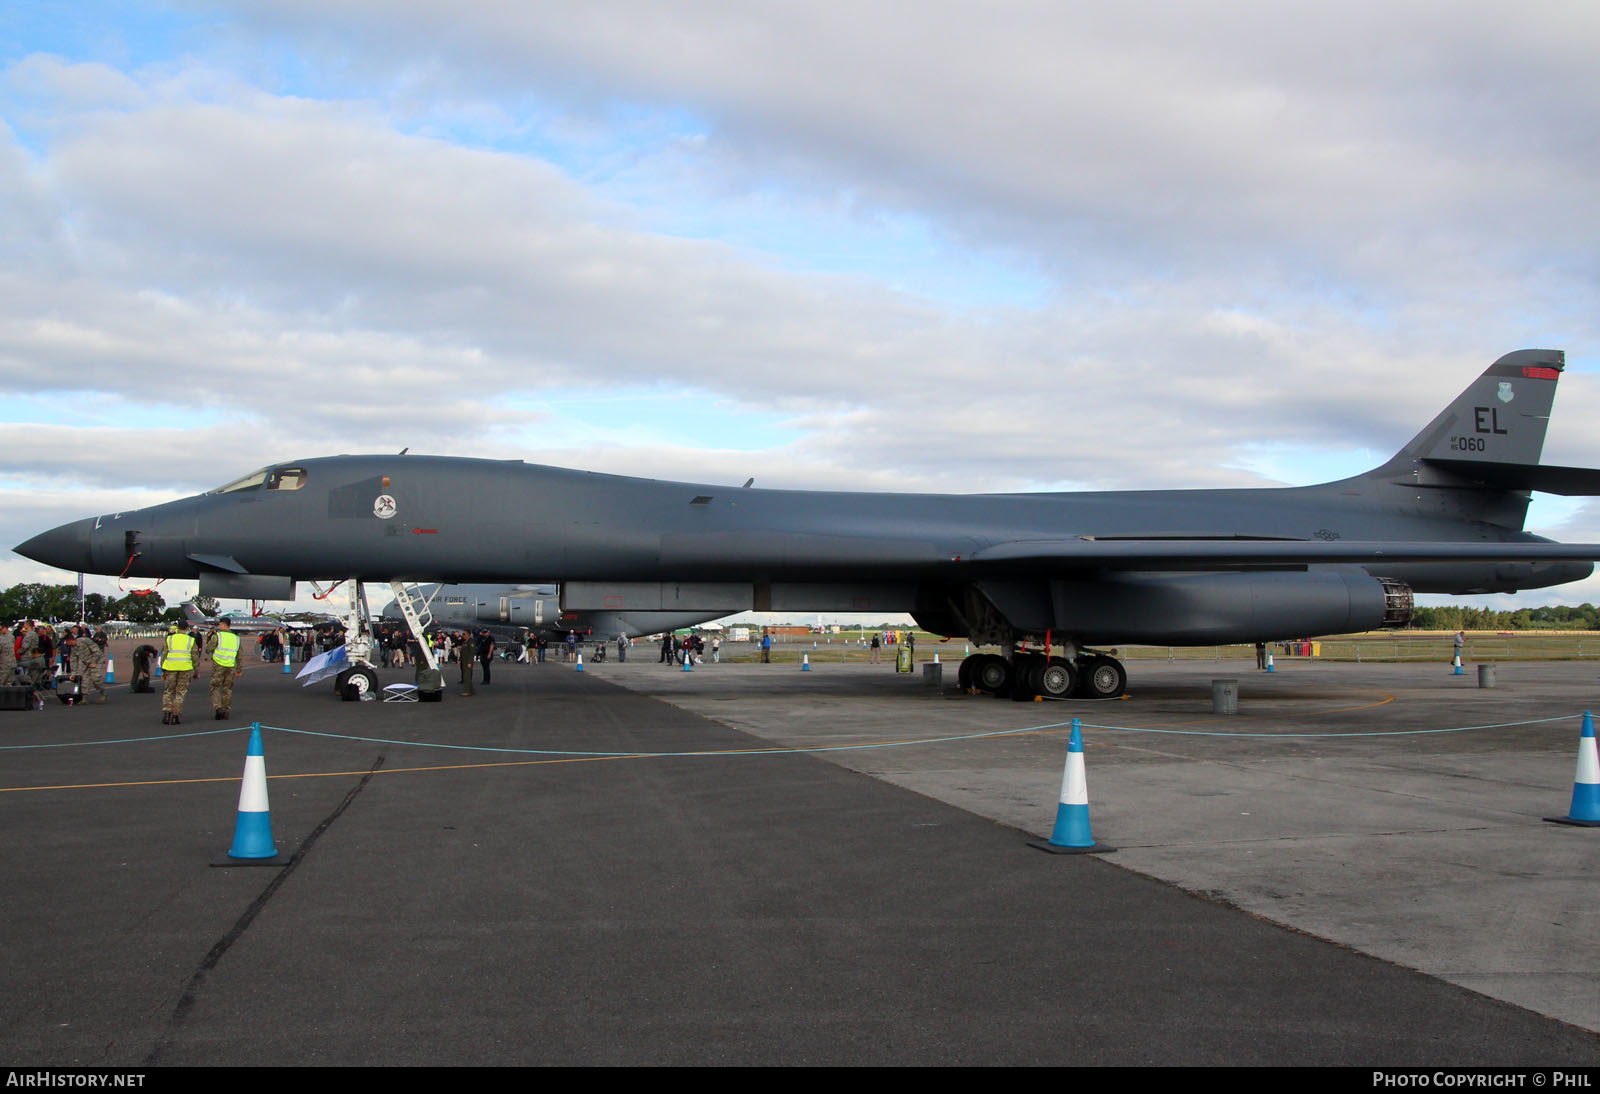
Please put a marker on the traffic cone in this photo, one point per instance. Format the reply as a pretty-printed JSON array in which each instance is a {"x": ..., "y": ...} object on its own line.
[
  {"x": 286, "y": 669},
  {"x": 805, "y": 662},
  {"x": 1457, "y": 672},
  {"x": 935, "y": 657},
  {"x": 111, "y": 669},
  {"x": 688, "y": 662},
  {"x": 252, "y": 832},
  {"x": 1585, "y": 811},
  {"x": 580, "y": 662},
  {"x": 1072, "y": 834},
  {"x": 1270, "y": 666}
]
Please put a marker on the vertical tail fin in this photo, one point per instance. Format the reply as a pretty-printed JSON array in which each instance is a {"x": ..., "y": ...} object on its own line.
[
  {"x": 1478, "y": 460},
  {"x": 1500, "y": 418}
]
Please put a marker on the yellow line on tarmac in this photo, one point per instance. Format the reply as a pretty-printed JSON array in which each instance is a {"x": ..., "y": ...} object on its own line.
[{"x": 1387, "y": 698}]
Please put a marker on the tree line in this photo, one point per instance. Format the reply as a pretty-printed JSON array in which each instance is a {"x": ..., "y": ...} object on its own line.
[
  {"x": 1555, "y": 617},
  {"x": 58, "y": 603}
]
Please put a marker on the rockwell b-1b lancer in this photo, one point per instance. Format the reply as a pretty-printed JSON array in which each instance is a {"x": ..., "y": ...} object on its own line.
[{"x": 1032, "y": 573}]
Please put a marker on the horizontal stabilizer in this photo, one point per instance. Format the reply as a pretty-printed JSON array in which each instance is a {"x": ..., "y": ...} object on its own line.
[{"x": 1569, "y": 481}]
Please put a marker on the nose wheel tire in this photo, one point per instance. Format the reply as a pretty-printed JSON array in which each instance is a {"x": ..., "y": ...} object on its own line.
[{"x": 355, "y": 684}]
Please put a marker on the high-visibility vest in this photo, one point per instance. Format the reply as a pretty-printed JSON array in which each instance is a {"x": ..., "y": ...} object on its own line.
[
  {"x": 180, "y": 653},
  {"x": 227, "y": 652}
]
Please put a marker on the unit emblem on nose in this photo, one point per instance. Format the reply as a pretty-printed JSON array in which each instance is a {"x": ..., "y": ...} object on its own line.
[{"x": 384, "y": 507}]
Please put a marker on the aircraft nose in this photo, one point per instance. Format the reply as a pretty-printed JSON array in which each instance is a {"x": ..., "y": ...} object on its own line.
[{"x": 66, "y": 547}]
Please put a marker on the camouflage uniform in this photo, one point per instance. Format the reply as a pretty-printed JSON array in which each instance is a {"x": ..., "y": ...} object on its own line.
[
  {"x": 8, "y": 657},
  {"x": 176, "y": 656},
  {"x": 89, "y": 665},
  {"x": 29, "y": 657},
  {"x": 222, "y": 674}
]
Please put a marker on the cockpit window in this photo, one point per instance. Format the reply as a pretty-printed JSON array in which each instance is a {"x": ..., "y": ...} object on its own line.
[
  {"x": 249, "y": 482},
  {"x": 273, "y": 478},
  {"x": 286, "y": 478}
]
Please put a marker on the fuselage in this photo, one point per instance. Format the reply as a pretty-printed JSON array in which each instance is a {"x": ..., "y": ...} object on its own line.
[{"x": 421, "y": 518}]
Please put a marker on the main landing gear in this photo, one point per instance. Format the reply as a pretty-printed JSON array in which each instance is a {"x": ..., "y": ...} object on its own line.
[{"x": 1088, "y": 675}]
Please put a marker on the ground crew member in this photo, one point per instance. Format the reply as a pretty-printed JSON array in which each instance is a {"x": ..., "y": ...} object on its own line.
[
  {"x": 8, "y": 656},
  {"x": 485, "y": 651},
  {"x": 177, "y": 667},
  {"x": 466, "y": 660},
  {"x": 89, "y": 664},
  {"x": 32, "y": 661},
  {"x": 223, "y": 648}
]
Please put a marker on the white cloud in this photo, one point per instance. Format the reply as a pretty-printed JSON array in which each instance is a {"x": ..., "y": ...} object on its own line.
[{"x": 1256, "y": 229}]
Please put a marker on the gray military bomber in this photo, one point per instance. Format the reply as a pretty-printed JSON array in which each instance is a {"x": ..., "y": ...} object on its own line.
[{"x": 1028, "y": 572}]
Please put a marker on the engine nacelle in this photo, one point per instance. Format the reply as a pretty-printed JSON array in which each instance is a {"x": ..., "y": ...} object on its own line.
[{"x": 1205, "y": 609}]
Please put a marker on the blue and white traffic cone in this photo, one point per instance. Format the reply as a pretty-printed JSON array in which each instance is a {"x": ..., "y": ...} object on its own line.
[
  {"x": 1072, "y": 834},
  {"x": 1270, "y": 666},
  {"x": 935, "y": 657},
  {"x": 155, "y": 665},
  {"x": 1585, "y": 811},
  {"x": 252, "y": 832},
  {"x": 580, "y": 662},
  {"x": 111, "y": 669},
  {"x": 1457, "y": 671},
  {"x": 286, "y": 669},
  {"x": 805, "y": 662},
  {"x": 688, "y": 662}
]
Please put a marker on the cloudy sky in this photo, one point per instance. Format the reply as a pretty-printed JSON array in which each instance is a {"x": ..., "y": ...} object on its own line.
[{"x": 909, "y": 246}]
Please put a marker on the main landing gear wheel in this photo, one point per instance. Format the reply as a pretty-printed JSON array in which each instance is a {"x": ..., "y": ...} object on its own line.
[
  {"x": 1103, "y": 678},
  {"x": 964, "y": 674},
  {"x": 990, "y": 673},
  {"x": 355, "y": 684},
  {"x": 1054, "y": 679},
  {"x": 1025, "y": 671}
]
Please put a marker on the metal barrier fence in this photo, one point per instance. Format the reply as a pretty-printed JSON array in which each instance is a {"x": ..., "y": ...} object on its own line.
[
  {"x": 1385, "y": 647},
  {"x": 1529, "y": 646}
]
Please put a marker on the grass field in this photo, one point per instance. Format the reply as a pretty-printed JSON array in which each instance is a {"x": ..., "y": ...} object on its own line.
[{"x": 1375, "y": 646}]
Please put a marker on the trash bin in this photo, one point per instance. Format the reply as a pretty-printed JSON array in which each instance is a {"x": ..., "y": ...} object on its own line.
[{"x": 1225, "y": 696}]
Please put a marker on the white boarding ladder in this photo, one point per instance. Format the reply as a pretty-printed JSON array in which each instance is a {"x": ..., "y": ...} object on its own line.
[{"x": 415, "y": 608}]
